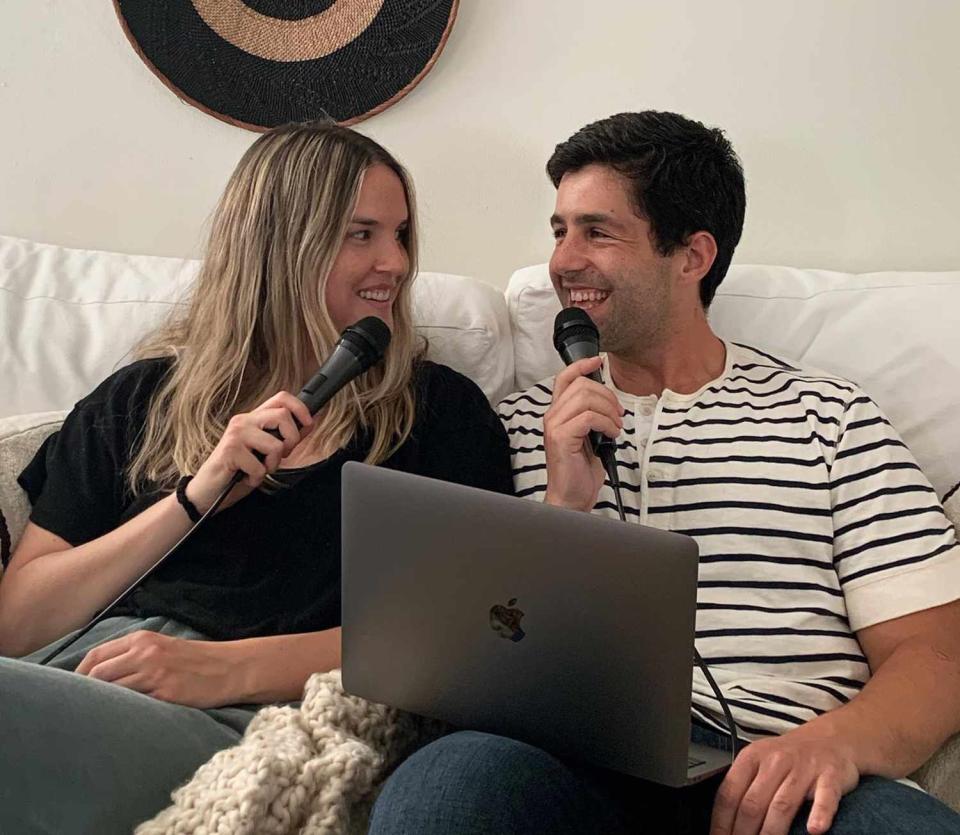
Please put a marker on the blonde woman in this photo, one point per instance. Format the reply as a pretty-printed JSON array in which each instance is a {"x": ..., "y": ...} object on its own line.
[{"x": 316, "y": 230}]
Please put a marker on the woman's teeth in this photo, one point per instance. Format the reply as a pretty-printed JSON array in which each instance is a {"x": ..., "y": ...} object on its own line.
[{"x": 375, "y": 295}]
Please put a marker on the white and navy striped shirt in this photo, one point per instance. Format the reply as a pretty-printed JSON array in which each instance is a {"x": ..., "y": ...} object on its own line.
[{"x": 812, "y": 518}]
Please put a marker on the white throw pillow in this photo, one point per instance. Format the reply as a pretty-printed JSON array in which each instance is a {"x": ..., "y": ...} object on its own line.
[
  {"x": 896, "y": 334},
  {"x": 70, "y": 316}
]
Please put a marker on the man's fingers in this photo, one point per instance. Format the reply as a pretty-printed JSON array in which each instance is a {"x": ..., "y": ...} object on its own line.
[
  {"x": 574, "y": 371},
  {"x": 826, "y": 801},
  {"x": 784, "y": 806},
  {"x": 580, "y": 427},
  {"x": 731, "y": 792},
  {"x": 584, "y": 400}
]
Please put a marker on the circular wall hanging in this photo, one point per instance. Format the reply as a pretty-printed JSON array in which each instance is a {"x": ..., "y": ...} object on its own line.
[{"x": 262, "y": 63}]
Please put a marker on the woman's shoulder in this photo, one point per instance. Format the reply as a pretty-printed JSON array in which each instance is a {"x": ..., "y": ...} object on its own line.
[
  {"x": 441, "y": 385},
  {"x": 128, "y": 389}
]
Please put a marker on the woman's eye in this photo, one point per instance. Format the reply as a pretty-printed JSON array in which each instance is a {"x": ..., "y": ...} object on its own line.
[{"x": 360, "y": 235}]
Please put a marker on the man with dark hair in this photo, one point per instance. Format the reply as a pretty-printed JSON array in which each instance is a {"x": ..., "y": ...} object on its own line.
[{"x": 829, "y": 583}]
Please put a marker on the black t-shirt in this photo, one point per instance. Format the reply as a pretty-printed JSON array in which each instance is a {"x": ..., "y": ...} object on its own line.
[{"x": 269, "y": 564}]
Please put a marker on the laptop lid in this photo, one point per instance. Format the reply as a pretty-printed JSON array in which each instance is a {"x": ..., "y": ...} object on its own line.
[{"x": 570, "y": 631}]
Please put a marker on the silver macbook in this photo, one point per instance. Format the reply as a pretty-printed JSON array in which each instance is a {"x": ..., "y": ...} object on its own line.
[{"x": 562, "y": 629}]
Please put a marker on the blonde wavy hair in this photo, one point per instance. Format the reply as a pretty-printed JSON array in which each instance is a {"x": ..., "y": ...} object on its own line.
[{"x": 257, "y": 320}]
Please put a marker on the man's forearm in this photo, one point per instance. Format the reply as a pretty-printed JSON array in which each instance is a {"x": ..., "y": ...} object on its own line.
[
  {"x": 906, "y": 711},
  {"x": 276, "y": 668}
]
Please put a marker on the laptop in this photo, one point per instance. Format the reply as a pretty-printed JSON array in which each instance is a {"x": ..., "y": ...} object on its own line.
[{"x": 568, "y": 631}]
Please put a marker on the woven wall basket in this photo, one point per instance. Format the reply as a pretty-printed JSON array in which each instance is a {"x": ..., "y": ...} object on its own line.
[{"x": 261, "y": 63}]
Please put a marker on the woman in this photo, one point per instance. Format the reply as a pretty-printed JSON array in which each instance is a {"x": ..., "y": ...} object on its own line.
[{"x": 315, "y": 231}]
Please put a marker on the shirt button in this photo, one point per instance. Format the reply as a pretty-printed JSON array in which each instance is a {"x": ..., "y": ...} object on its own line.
[
  {"x": 654, "y": 475},
  {"x": 646, "y": 411}
]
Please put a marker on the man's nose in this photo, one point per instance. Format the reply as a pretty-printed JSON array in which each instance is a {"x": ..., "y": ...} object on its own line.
[{"x": 568, "y": 256}]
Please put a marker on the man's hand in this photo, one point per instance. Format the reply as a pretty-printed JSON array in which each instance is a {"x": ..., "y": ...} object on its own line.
[
  {"x": 771, "y": 779},
  {"x": 192, "y": 673},
  {"x": 580, "y": 406}
]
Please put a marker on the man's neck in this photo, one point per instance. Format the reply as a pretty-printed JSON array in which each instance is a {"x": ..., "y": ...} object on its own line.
[{"x": 688, "y": 357}]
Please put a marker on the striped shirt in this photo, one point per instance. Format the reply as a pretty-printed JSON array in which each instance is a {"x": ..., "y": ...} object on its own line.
[{"x": 812, "y": 518}]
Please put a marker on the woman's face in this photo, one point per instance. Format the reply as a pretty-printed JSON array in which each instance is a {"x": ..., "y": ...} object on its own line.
[{"x": 372, "y": 261}]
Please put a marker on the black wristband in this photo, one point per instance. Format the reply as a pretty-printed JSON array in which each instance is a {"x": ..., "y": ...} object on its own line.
[{"x": 191, "y": 509}]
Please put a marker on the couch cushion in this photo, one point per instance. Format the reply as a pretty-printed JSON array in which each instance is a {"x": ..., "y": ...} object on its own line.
[
  {"x": 20, "y": 437},
  {"x": 893, "y": 333},
  {"x": 70, "y": 317}
]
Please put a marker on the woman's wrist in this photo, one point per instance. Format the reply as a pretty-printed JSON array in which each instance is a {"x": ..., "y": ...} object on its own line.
[{"x": 184, "y": 500}]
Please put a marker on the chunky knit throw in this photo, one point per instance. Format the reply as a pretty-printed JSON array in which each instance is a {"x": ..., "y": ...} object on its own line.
[{"x": 313, "y": 770}]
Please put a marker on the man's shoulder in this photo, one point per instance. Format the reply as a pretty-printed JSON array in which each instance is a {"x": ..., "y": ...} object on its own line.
[
  {"x": 531, "y": 403},
  {"x": 752, "y": 367}
]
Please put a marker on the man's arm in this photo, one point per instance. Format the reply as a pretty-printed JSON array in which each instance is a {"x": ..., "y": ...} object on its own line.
[{"x": 910, "y": 706}]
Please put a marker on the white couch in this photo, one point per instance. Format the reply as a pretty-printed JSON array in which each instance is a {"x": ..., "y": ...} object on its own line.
[{"x": 69, "y": 317}]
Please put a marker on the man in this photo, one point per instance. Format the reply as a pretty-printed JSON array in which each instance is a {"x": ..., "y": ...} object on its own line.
[{"x": 829, "y": 580}]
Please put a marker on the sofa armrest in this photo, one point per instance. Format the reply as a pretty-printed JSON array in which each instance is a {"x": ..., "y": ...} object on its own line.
[{"x": 20, "y": 437}]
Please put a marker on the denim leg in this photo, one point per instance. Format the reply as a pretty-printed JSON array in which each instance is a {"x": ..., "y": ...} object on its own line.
[
  {"x": 881, "y": 805},
  {"x": 471, "y": 783}
]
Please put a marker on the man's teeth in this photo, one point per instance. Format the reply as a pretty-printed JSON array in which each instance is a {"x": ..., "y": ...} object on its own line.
[
  {"x": 375, "y": 295},
  {"x": 588, "y": 295}
]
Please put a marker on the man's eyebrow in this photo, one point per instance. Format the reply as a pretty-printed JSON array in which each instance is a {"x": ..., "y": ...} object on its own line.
[{"x": 587, "y": 219}]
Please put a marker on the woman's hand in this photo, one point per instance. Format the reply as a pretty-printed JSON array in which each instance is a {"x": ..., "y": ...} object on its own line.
[
  {"x": 245, "y": 437},
  {"x": 193, "y": 673}
]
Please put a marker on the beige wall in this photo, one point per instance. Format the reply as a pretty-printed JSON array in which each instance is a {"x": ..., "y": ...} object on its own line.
[{"x": 844, "y": 112}]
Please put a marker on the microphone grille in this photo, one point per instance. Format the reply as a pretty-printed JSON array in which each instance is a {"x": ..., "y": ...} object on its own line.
[
  {"x": 573, "y": 324},
  {"x": 371, "y": 336}
]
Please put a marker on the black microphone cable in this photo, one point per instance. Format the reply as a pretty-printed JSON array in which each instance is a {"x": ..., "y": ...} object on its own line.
[
  {"x": 727, "y": 715},
  {"x": 104, "y": 613},
  {"x": 360, "y": 346},
  {"x": 576, "y": 337}
]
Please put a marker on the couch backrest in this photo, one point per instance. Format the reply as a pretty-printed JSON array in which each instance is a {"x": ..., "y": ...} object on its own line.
[
  {"x": 896, "y": 334},
  {"x": 70, "y": 316}
]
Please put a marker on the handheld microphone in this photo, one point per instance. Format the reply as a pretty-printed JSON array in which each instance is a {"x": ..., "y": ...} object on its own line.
[
  {"x": 576, "y": 337},
  {"x": 359, "y": 347}
]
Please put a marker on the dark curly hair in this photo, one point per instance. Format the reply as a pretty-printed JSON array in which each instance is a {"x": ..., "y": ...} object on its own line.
[{"x": 686, "y": 178}]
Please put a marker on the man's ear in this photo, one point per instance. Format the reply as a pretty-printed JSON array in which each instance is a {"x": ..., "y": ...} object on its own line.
[{"x": 700, "y": 251}]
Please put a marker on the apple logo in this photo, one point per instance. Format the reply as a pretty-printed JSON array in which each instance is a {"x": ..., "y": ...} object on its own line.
[{"x": 505, "y": 621}]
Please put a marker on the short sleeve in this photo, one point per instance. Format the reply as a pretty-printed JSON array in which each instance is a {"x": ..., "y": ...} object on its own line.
[
  {"x": 895, "y": 552},
  {"x": 75, "y": 481},
  {"x": 461, "y": 438}
]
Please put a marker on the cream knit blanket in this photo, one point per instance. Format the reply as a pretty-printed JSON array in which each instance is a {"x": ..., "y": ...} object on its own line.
[{"x": 313, "y": 770}]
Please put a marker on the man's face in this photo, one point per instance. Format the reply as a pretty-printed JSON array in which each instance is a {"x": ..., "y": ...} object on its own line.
[{"x": 605, "y": 262}]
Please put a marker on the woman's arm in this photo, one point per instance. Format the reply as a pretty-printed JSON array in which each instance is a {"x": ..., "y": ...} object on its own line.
[
  {"x": 51, "y": 588},
  {"x": 208, "y": 674}
]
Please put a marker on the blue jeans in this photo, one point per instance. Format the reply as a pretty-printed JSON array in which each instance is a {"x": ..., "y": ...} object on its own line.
[{"x": 472, "y": 783}]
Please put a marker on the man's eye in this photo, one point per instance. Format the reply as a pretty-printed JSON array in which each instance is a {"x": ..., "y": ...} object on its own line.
[
  {"x": 598, "y": 233},
  {"x": 558, "y": 233}
]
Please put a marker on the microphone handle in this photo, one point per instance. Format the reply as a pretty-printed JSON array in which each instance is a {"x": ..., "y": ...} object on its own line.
[
  {"x": 603, "y": 447},
  {"x": 333, "y": 375}
]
